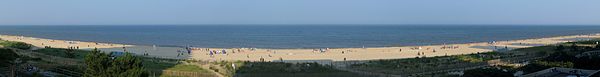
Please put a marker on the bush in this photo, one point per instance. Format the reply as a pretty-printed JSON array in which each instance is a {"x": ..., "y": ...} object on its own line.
[
  {"x": 101, "y": 65},
  {"x": 7, "y": 56},
  {"x": 487, "y": 72},
  {"x": 541, "y": 65},
  {"x": 66, "y": 53},
  {"x": 13, "y": 44}
]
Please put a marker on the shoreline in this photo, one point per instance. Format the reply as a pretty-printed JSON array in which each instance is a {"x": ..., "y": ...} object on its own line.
[
  {"x": 333, "y": 54},
  {"x": 178, "y": 46}
]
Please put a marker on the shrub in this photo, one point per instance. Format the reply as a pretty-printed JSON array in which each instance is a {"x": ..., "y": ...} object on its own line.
[{"x": 13, "y": 44}]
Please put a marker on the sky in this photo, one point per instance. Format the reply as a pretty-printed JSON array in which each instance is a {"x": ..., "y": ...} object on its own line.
[{"x": 191, "y": 12}]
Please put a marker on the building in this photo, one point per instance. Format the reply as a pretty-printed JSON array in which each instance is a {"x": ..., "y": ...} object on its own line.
[{"x": 564, "y": 72}]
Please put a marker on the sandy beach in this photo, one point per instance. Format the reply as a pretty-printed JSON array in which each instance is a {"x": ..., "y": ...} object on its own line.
[
  {"x": 341, "y": 54},
  {"x": 328, "y": 54}
]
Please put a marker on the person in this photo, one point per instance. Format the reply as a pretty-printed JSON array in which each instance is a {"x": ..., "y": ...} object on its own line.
[
  {"x": 233, "y": 66},
  {"x": 280, "y": 59},
  {"x": 262, "y": 59}
]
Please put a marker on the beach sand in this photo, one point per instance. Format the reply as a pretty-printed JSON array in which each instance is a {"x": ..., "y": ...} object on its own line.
[
  {"x": 339, "y": 54},
  {"x": 333, "y": 54},
  {"x": 41, "y": 43}
]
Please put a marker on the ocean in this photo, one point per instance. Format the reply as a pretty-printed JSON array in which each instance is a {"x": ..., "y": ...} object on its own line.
[{"x": 294, "y": 36}]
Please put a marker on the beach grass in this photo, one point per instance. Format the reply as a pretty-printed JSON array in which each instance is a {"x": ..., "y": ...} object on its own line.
[
  {"x": 417, "y": 65},
  {"x": 15, "y": 44},
  {"x": 188, "y": 68},
  {"x": 66, "y": 53},
  {"x": 278, "y": 69}
]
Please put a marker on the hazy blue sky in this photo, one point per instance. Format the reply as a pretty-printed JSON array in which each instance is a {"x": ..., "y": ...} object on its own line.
[{"x": 124, "y": 12}]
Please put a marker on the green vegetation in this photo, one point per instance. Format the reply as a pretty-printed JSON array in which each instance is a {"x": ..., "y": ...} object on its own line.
[
  {"x": 187, "y": 68},
  {"x": 565, "y": 58},
  {"x": 14, "y": 44},
  {"x": 66, "y": 53},
  {"x": 7, "y": 56},
  {"x": 226, "y": 68},
  {"x": 101, "y": 65},
  {"x": 278, "y": 69},
  {"x": 488, "y": 72},
  {"x": 478, "y": 58},
  {"x": 157, "y": 64},
  {"x": 417, "y": 65},
  {"x": 274, "y": 67}
]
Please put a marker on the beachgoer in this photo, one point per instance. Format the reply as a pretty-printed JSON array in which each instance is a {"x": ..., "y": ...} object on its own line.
[
  {"x": 262, "y": 59},
  {"x": 280, "y": 59},
  {"x": 233, "y": 66}
]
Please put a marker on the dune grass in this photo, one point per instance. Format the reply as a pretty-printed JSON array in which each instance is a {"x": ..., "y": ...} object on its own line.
[{"x": 188, "y": 68}]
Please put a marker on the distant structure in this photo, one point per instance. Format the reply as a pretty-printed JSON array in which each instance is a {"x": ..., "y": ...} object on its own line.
[{"x": 564, "y": 72}]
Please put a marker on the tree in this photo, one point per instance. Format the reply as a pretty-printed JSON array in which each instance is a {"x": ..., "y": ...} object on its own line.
[
  {"x": 487, "y": 72},
  {"x": 70, "y": 53},
  {"x": 541, "y": 65},
  {"x": 101, "y": 65},
  {"x": 574, "y": 47},
  {"x": 588, "y": 62},
  {"x": 597, "y": 46},
  {"x": 560, "y": 56},
  {"x": 7, "y": 56},
  {"x": 97, "y": 64},
  {"x": 560, "y": 48},
  {"x": 127, "y": 66}
]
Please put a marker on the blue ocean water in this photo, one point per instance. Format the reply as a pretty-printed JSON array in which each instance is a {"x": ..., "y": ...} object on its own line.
[{"x": 294, "y": 36}]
